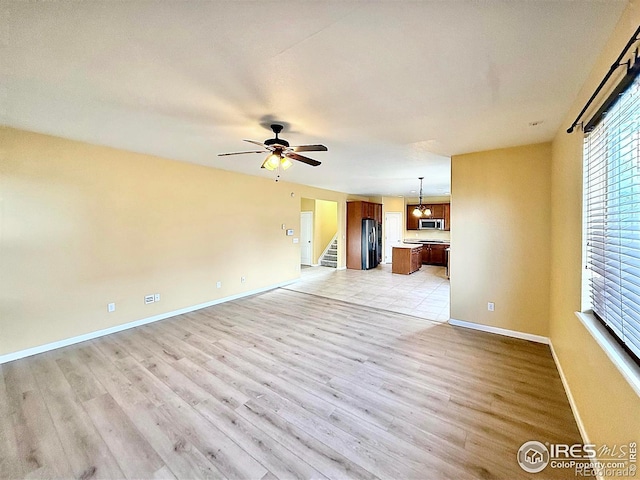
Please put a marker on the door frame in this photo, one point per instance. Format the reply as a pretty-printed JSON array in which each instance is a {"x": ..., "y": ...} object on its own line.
[{"x": 309, "y": 215}]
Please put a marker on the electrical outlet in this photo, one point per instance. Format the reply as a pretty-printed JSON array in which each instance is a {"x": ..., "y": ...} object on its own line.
[
  {"x": 491, "y": 306},
  {"x": 111, "y": 307},
  {"x": 149, "y": 299},
  {"x": 243, "y": 279},
  {"x": 156, "y": 297},
  {"x": 218, "y": 284}
]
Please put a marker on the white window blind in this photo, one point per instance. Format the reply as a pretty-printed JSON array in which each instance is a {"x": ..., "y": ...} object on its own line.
[{"x": 612, "y": 219}]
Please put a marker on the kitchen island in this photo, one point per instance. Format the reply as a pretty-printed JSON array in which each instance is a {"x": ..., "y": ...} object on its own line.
[
  {"x": 406, "y": 258},
  {"x": 433, "y": 251}
]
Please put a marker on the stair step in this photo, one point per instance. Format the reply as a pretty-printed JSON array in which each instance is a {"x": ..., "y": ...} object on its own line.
[{"x": 330, "y": 258}]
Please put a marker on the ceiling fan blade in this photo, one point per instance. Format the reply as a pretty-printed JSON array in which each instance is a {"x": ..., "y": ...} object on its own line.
[
  {"x": 242, "y": 153},
  {"x": 260, "y": 144},
  {"x": 300, "y": 158},
  {"x": 309, "y": 148}
]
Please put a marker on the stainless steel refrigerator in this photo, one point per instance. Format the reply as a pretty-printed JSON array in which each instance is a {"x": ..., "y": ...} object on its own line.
[{"x": 370, "y": 244}]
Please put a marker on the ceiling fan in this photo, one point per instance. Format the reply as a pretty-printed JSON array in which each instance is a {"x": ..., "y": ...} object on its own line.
[{"x": 280, "y": 152}]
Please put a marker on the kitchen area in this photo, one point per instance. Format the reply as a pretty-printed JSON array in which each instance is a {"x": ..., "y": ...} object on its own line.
[
  {"x": 430, "y": 220},
  {"x": 425, "y": 240},
  {"x": 409, "y": 256},
  {"x": 375, "y": 230}
]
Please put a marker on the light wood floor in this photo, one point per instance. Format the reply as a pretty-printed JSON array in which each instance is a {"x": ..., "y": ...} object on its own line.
[{"x": 283, "y": 385}]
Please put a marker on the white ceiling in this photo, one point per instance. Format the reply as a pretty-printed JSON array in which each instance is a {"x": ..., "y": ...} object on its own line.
[{"x": 393, "y": 88}]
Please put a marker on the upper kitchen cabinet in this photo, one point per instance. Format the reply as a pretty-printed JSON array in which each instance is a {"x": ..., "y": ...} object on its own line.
[
  {"x": 368, "y": 210},
  {"x": 447, "y": 216},
  {"x": 377, "y": 212},
  {"x": 438, "y": 210},
  {"x": 412, "y": 222}
]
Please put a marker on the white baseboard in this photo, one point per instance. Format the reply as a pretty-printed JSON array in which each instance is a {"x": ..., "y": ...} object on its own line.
[
  {"x": 500, "y": 331},
  {"x": 572, "y": 403},
  {"x": 9, "y": 357},
  {"x": 341, "y": 268}
]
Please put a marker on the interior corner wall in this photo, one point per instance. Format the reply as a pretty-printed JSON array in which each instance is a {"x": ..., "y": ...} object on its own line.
[
  {"x": 325, "y": 226},
  {"x": 307, "y": 205},
  {"x": 606, "y": 405},
  {"x": 500, "y": 240},
  {"x": 82, "y": 226}
]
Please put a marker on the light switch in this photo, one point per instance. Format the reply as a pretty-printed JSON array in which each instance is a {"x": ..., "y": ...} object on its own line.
[{"x": 296, "y": 240}]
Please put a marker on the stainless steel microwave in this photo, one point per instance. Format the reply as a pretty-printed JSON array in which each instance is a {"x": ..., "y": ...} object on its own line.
[{"x": 431, "y": 224}]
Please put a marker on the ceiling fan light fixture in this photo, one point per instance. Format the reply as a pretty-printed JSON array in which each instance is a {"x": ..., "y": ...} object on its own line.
[
  {"x": 280, "y": 153},
  {"x": 285, "y": 163},
  {"x": 271, "y": 162},
  {"x": 267, "y": 165}
]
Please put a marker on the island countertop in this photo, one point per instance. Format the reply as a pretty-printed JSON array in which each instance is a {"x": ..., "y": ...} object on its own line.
[{"x": 407, "y": 245}]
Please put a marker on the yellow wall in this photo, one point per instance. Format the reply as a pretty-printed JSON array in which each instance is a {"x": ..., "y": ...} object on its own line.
[
  {"x": 308, "y": 205},
  {"x": 392, "y": 204},
  {"x": 607, "y": 406},
  {"x": 325, "y": 226},
  {"x": 83, "y": 225},
  {"x": 500, "y": 211},
  {"x": 325, "y": 223}
]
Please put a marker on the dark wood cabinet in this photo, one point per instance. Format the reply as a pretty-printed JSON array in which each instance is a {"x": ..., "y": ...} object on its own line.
[
  {"x": 447, "y": 216},
  {"x": 416, "y": 259},
  {"x": 377, "y": 212},
  {"x": 434, "y": 253},
  {"x": 356, "y": 212},
  {"x": 367, "y": 210},
  {"x": 406, "y": 260},
  {"x": 426, "y": 254},
  {"x": 438, "y": 256},
  {"x": 370, "y": 209},
  {"x": 438, "y": 210},
  {"x": 412, "y": 221}
]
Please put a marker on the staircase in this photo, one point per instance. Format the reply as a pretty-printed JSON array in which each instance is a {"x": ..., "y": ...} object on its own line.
[{"x": 330, "y": 257}]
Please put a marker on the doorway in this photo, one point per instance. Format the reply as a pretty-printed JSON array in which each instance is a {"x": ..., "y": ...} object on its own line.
[
  {"x": 306, "y": 238},
  {"x": 393, "y": 233}
]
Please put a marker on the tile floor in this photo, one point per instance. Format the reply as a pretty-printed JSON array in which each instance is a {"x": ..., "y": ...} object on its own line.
[{"x": 423, "y": 294}]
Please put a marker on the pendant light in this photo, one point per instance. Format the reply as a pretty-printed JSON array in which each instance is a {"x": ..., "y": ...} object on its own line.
[{"x": 421, "y": 210}]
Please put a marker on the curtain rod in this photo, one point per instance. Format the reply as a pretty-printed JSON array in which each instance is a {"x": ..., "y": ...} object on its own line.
[{"x": 613, "y": 68}]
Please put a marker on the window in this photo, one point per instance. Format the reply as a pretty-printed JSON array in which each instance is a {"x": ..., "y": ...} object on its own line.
[{"x": 612, "y": 219}]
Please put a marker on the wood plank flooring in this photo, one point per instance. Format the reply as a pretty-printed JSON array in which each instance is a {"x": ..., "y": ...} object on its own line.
[{"x": 283, "y": 385}]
